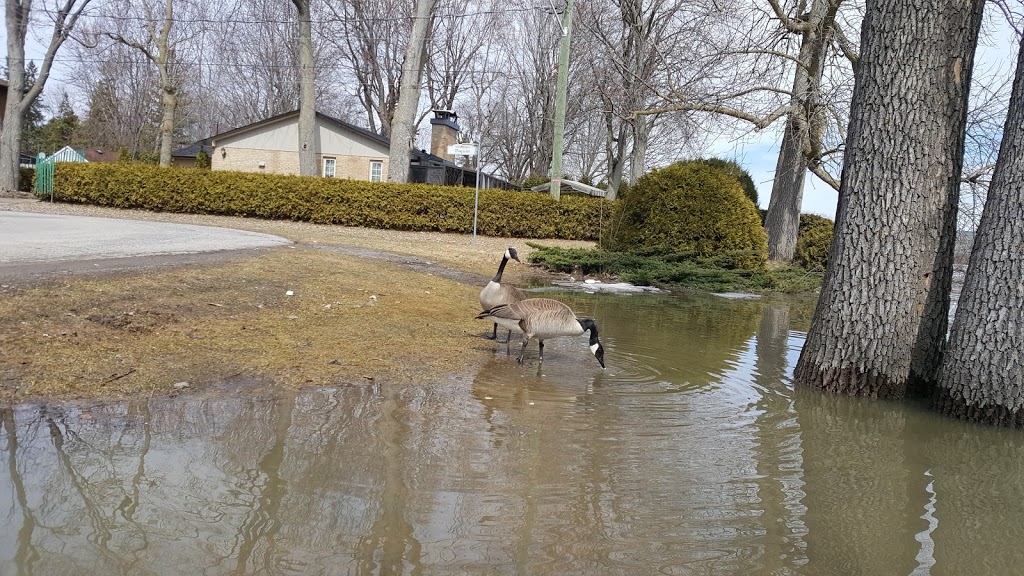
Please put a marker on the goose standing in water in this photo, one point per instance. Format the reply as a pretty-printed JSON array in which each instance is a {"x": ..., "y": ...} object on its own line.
[
  {"x": 496, "y": 293},
  {"x": 543, "y": 318}
]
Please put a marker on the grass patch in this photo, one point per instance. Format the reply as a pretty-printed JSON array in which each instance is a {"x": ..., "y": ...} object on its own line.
[
  {"x": 139, "y": 334},
  {"x": 676, "y": 270}
]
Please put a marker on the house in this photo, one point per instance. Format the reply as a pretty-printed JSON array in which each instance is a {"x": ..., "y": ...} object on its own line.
[
  {"x": 65, "y": 154},
  {"x": 99, "y": 155},
  {"x": 344, "y": 150},
  {"x": 185, "y": 157}
]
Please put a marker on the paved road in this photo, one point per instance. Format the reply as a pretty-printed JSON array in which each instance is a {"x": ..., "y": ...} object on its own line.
[{"x": 38, "y": 243}]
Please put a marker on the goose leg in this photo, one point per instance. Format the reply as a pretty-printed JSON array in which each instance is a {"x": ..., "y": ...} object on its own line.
[
  {"x": 541, "y": 342},
  {"x": 522, "y": 353},
  {"x": 494, "y": 333}
]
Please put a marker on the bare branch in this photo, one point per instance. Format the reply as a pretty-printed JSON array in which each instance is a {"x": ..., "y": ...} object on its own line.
[
  {"x": 825, "y": 177},
  {"x": 791, "y": 24}
]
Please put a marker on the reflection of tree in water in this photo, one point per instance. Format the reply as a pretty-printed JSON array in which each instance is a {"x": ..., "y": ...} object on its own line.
[
  {"x": 390, "y": 542},
  {"x": 26, "y": 556},
  {"x": 777, "y": 445},
  {"x": 864, "y": 481}
]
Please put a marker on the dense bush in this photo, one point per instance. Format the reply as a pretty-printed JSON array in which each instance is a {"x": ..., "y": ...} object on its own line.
[
  {"x": 736, "y": 171},
  {"x": 202, "y": 159},
  {"x": 693, "y": 209},
  {"x": 330, "y": 201},
  {"x": 26, "y": 179},
  {"x": 813, "y": 242}
]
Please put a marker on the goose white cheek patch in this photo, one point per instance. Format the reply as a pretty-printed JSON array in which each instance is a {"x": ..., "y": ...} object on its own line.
[{"x": 593, "y": 348}]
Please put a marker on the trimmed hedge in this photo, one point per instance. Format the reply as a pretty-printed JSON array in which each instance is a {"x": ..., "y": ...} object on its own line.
[
  {"x": 690, "y": 208},
  {"x": 26, "y": 179},
  {"x": 814, "y": 242},
  {"x": 419, "y": 207},
  {"x": 736, "y": 171}
]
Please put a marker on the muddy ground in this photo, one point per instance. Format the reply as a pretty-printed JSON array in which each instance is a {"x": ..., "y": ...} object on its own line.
[{"x": 341, "y": 307}]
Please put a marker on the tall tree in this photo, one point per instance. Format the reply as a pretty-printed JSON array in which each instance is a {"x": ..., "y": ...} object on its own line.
[
  {"x": 403, "y": 127},
  {"x": 307, "y": 92},
  {"x": 982, "y": 373},
  {"x": 19, "y": 95},
  {"x": 886, "y": 293},
  {"x": 153, "y": 39},
  {"x": 805, "y": 124}
]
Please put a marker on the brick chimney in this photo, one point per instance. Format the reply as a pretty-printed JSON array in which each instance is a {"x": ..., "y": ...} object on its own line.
[{"x": 444, "y": 131}]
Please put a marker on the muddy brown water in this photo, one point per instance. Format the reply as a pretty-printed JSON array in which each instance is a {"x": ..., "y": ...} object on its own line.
[{"x": 690, "y": 454}]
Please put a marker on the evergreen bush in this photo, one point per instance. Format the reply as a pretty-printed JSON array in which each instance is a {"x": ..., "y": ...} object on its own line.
[
  {"x": 814, "y": 242},
  {"x": 690, "y": 209},
  {"x": 736, "y": 171},
  {"x": 421, "y": 207}
]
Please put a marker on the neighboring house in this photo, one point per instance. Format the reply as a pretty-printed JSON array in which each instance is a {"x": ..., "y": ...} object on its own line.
[
  {"x": 98, "y": 155},
  {"x": 343, "y": 151},
  {"x": 186, "y": 157},
  {"x": 65, "y": 154}
]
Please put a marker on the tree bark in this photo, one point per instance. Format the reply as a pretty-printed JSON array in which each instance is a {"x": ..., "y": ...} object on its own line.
[
  {"x": 982, "y": 374},
  {"x": 307, "y": 92},
  {"x": 899, "y": 187},
  {"x": 801, "y": 140},
  {"x": 20, "y": 97},
  {"x": 402, "y": 123}
]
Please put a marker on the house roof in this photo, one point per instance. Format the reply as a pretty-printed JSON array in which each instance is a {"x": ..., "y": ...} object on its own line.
[
  {"x": 65, "y": 154},
  {"x": 192, "y": 150},
  {"x": 294, "y": 114}
]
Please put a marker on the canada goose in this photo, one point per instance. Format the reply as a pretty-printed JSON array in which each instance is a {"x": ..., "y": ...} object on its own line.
[
  {"x": 496, "y": 293},
  {"x": 543, "y": 318}
]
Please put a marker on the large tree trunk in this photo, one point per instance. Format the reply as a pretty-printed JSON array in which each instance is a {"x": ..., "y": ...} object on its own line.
[
  {"x": 168, "y": 102},
  {"x": 403, "y": 122},
  {"x": 982, "y": 374},
  {"x": 638, "y": 155},
  {"x": 899, "y": 187},
  {"x": 801, "y": 141},
  {"x": 783, "y": 219},
  {"x": 307, "y": 92}
]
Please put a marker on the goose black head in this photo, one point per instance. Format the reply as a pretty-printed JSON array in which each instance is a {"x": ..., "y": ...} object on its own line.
[
  {"x": 595, "y": 343},
  {"x": 511, "y": 253}
]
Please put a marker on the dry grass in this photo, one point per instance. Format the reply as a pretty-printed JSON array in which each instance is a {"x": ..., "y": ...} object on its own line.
[{"x": 141, "y": 333}]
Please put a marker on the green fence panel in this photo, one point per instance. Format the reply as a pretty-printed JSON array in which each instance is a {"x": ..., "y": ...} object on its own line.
[{"x": 44, "y": 178}]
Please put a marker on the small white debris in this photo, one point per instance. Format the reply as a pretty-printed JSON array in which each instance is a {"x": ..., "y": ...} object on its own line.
[
  {"x": 488, "y": 398},
  {"x": 327, "y": 306},
  {"x": 182, "y": 385},
  {"x": 289, "y": 293},
  {"x": 531, "y": 403},
  {"x": 591, "y": 281}
]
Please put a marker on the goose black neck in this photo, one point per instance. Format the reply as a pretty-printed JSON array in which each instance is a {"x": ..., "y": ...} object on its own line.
[
  {"x": 501, "y": 269},
  {"x": 589, "y": 324}
]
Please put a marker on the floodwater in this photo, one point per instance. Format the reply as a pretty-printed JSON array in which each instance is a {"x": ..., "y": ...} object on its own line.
[{"x": 690, "y": 454}]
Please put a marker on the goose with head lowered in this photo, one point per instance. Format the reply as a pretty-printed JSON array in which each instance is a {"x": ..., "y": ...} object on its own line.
[
  {"x": 543, "y": 318},
  {"x": 495, "y": 293}
]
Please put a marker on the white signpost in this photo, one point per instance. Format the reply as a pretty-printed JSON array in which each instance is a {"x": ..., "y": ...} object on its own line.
[{"x": 470, "y": 149}]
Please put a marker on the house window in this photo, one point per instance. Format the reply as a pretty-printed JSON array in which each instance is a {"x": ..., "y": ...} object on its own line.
[
  {"x": 376, "y": 170},
  {"x": 329, "y": 167}
]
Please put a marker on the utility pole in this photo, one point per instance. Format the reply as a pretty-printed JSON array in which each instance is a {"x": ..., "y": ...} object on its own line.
[{"x": 560, "y": 90}]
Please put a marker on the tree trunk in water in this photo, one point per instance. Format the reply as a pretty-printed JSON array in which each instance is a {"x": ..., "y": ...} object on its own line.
[
  {"x": 982, "y": 374},
  {"x": 402, "y": 128},
  {"x": 783, "y": 219},
  {"x": 307, "y": 143},
  {"x": 899, "y": 187}
]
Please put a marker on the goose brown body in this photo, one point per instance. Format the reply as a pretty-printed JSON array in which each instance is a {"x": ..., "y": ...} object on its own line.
[
  {"x": 496, "y": 293},
  {"x": 544, "y": 318}
]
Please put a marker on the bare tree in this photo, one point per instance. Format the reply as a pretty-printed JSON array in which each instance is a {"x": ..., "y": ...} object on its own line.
[
  {"x": 152, "y": 38},
  {"x": 982, "y": 370},
  {"x": 881, "y": 319},
  {"x": 403, "y": 121},
  {"x": 307, "y": 90},
  {"x": 19, "y": 96}
]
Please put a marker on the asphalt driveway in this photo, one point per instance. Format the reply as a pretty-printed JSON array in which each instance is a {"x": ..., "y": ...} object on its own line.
[{"x": 41, "y": 244}]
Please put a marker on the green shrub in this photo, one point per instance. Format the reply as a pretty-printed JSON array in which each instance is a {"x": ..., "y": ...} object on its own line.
[
  {"x": 813, "y": 242},
  {"x": 26, "y": 179},
  {"x": 690, "y": 209},
  {"x": 736, "y": 171},
  {"x": 202, "y": 159},
  {"x": 386, "y": 205}
]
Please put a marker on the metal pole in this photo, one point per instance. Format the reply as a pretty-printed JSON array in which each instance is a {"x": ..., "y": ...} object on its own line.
[
  {"x": 476, "y": 199},
  {"x": 560, "y": 90}
]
